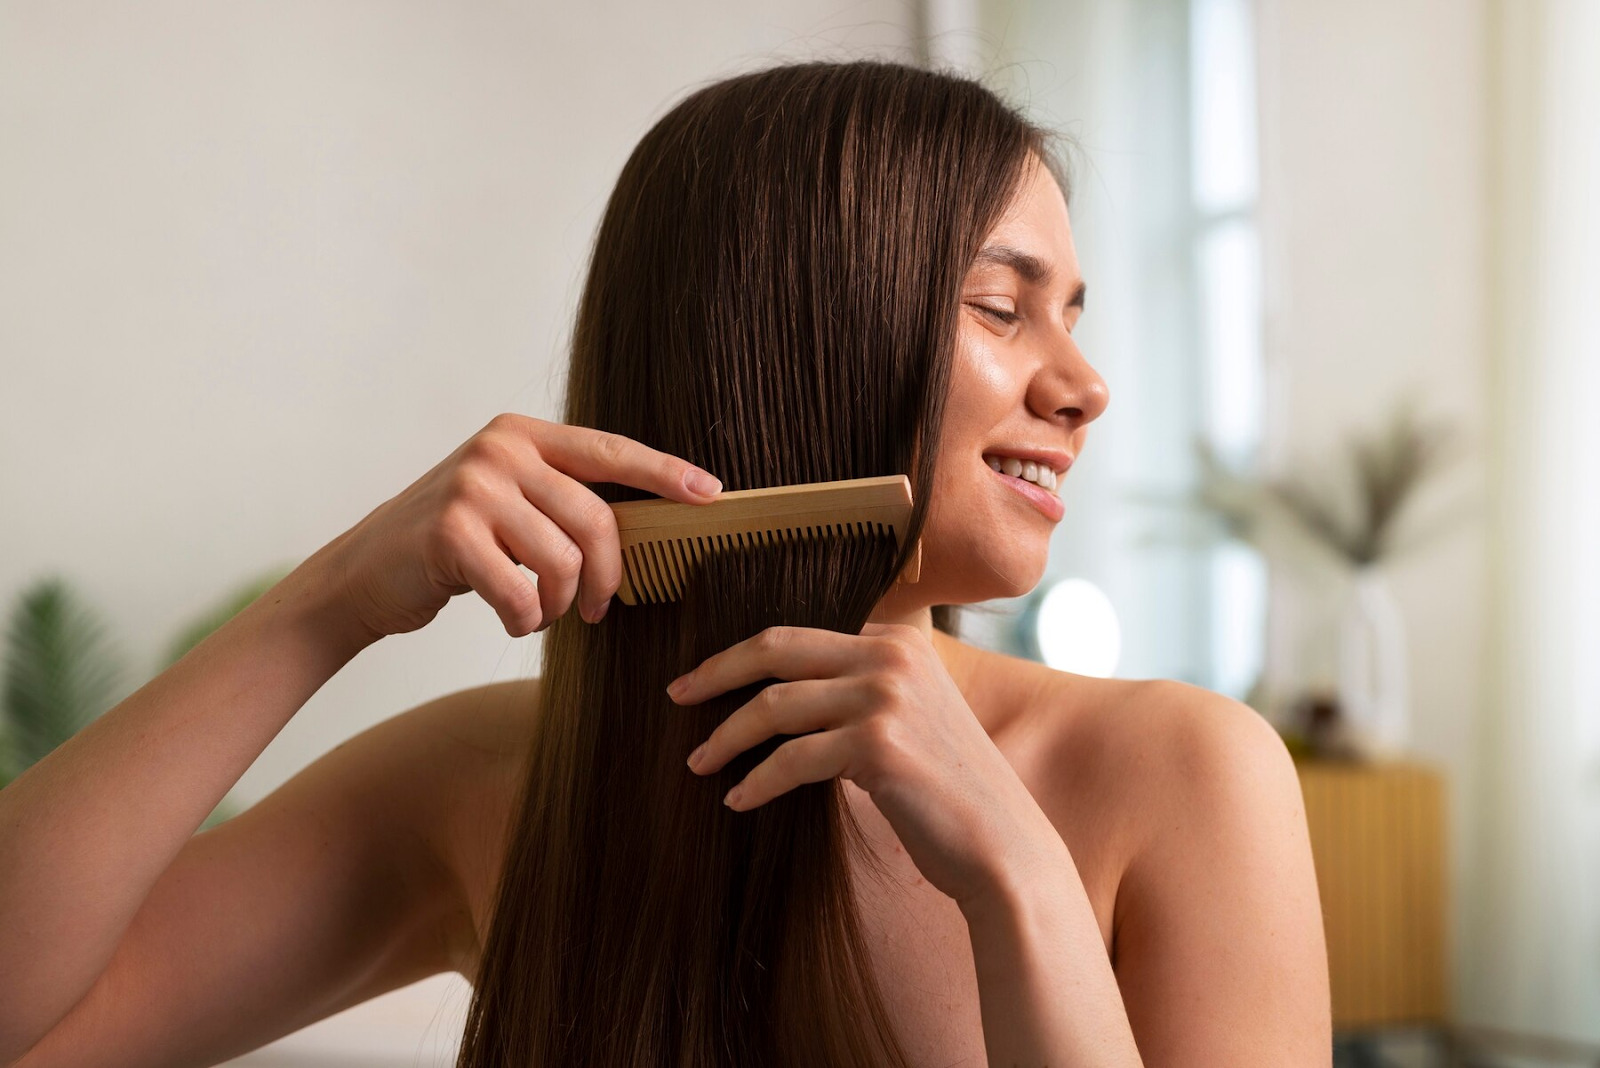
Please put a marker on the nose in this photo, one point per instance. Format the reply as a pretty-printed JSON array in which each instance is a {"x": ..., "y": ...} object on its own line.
[{"x": 1067, "y": 389}]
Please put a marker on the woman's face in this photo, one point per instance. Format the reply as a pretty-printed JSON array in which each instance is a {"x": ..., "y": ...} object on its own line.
[{"x": 1021, "y": 392}]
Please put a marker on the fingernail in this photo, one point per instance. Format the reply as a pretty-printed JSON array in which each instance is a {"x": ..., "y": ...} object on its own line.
[
  {"x": 675, "y": 687},
  {"x": 732, "y": 800},
  {"x": 702, "y": 482},
  {"x": 694, "y": 757},
  {"x": 603, "y": 610}
]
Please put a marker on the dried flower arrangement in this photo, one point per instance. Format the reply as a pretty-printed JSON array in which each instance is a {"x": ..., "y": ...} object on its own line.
[{"x": 1356, "y": 518}]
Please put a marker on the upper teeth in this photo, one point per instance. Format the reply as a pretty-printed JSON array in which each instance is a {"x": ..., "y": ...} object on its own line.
[{"x": 1038, "y": 474}]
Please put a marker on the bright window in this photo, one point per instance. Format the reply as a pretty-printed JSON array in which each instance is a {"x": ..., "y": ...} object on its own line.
[
  {"x": 1158, "y": 100},
  {"x": 1227, "y": 283}
]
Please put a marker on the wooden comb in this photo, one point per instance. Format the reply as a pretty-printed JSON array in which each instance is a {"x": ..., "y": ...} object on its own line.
[{"x": 663, "y": 540}]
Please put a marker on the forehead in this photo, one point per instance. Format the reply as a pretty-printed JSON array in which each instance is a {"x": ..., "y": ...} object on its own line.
[{"x": 1036, "y": 221}]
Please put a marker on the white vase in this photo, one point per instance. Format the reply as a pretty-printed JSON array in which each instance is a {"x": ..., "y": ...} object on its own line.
[{"x": 1372, "y": 666}]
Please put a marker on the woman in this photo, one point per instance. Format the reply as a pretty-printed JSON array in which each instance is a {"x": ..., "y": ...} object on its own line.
[{"x": 892, "y": 847}]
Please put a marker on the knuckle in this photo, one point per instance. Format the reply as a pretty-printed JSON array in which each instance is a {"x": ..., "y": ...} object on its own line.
[
  {"x": 895, "y": 652},
  {"x": 472, "y": 480},
  {"x": 522, "y": 601},
  {"x": 886, "y": 689},
  {"x": 786, "y": 758},
  {"x": 773, "y": 638},
  {"x": 895, "y": 741},
  {"x": 566, "y": 558},
  {"x": 610, "y": 448},
  {"x": 597, "y": 519},
  {"x": 881, "y": 737},
  {"x": 491, "y": 445},
  {"x": 452, "y": 531},
  {"x": 765, "y": 706}
]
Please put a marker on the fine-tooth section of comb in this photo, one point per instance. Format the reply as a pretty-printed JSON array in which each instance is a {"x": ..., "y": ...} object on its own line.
[{"x": 663, "y": 541}]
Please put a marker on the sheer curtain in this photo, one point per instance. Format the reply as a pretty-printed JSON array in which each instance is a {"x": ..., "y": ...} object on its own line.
[{"x": 1533, "y": 909}]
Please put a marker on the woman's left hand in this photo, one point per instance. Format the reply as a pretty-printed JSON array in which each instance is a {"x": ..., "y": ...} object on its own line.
[{"x": 879, "y": 709}]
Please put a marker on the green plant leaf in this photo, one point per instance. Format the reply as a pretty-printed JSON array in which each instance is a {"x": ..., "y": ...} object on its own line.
[{"x": 60, "y": 671}]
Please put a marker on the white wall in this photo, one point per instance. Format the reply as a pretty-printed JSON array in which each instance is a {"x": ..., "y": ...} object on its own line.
[
  {"x": 1375, "y": 217},
  {"x": 1374, "y": 214},
  {"x": 264, "y": 264}
]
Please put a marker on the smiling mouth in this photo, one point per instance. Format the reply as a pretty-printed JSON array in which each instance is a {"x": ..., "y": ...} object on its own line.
[
  {"x": 1045, "y": 500},
  {"x": 1037, "y": 474}
]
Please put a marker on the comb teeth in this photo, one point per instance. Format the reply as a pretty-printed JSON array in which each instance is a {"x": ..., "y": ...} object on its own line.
[
  {"x": 656, "y": 571},
  {"x": 664, "y": 541}
]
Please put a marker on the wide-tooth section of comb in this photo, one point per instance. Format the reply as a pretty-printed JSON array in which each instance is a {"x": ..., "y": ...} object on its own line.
[{"x": 663, "y": 541}]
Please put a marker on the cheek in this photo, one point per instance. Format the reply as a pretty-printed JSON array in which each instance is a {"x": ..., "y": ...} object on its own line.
[
  {"x": 982, "y": 386},
  {"x": 963, "y": 500},
  {"x": 983, "y": 371}
]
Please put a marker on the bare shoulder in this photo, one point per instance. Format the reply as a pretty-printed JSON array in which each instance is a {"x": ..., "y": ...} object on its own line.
[
  {"x": 473, "y": 744},
  {"x": 1182, "y": 746},
  {"x": 1156, "y": 735},
  {"x": 441, "y": 776},
  {"x": 1218, "y": 911},
  {"x": 435, "y": 783},
  {"x": 1213, "y": 894},
  {"x": 1113, "y": 761},
  {"x": 1149, "y": 747},
  {"x": 491, "y": 724}
]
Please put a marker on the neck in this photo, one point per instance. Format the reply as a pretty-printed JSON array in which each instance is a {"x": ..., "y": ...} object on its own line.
[{"x": 919, "y": 616}]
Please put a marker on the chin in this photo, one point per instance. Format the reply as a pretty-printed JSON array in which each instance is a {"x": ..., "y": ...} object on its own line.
[
  {"x": 1024, "y": 587},
  {"x": 986, "y": 573}
]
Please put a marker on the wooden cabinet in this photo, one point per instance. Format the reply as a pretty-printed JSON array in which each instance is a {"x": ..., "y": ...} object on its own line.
[{"x": 1378, "y": 840}]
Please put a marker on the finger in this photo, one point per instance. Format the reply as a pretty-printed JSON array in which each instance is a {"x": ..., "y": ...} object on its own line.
[
  {"x": 486, "y": 567},
  {"x": 808, "y": 758},
  {"x": 585, "y": 520},
  {"x": 775, "y": 653},
  {"x": 600, "y": 456},
  {"x": 782, "y": 708},
  {"x": 535, "y": 541}
]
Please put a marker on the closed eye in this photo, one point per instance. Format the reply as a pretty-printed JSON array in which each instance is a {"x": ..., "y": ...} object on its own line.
[{"x": 998, "y": 313}]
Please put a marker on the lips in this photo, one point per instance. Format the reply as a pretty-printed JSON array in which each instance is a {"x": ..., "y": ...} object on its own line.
[
  {"x": 1055, "y": 459},
  {"x": 1048, "y": 504}
]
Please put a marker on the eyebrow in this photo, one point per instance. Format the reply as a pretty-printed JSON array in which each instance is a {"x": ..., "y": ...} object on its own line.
[{"x": 1033, "y": 270}]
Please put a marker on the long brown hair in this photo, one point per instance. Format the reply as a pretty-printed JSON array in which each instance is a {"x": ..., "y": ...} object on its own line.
[{"x": 773, "y": 296}]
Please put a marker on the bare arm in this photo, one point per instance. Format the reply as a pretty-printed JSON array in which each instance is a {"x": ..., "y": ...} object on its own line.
[
  {"x": 1220, "y": 946},
  {"x": 123, "y": 934},
  {"x": 1046, "y": 990},
  {"x": 87, "y": 831}
]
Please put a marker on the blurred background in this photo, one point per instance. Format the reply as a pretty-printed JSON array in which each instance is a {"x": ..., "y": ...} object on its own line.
[{"x": 262, "y": 265}]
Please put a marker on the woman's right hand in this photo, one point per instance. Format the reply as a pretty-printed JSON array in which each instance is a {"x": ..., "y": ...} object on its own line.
[{"x": 510, "y": 494}]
